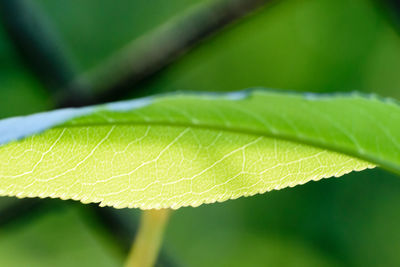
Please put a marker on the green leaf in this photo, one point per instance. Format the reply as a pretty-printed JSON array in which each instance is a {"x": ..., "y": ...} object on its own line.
[{"x": 188, "y": 149}]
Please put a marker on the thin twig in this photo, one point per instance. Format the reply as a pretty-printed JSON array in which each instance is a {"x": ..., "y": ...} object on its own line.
[{"x": 146, "y": 56}]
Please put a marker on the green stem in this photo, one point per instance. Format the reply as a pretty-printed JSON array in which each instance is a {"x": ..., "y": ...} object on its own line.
[{"x": 147, "y": 243}]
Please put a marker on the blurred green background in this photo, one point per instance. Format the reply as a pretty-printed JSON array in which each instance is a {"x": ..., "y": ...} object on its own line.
[{"x": 297, "y": 45}]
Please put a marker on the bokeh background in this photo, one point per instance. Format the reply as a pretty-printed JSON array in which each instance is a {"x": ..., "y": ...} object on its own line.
[{"x": 297, "y": 45}]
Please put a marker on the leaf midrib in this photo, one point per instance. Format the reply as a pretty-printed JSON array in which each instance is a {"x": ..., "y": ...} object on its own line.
[{"x": 382, "y": 163}]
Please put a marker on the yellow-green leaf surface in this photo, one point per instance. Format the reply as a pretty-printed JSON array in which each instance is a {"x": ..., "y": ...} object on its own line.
[{"x": 188, "y": 149}]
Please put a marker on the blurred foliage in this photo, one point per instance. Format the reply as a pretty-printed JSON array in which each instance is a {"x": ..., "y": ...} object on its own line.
[
  {"x": 60, "y": 235},
  {"x": 319, "y": 46},
  {"x": 305, "y": 45},
  {"x": 20, "y": 92},
  {"x": 350, "y": 221},
  {"x": 86, "y": 26}
]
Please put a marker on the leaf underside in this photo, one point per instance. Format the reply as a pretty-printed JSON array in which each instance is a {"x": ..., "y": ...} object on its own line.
[{"x": 188, "y": 149}]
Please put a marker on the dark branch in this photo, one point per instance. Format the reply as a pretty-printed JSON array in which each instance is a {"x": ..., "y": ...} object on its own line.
[
  {"x": 39, "y": 46},
  {"x": 19, "y": 209},
  {"x": 146, "y": 56},
  {"x": 392, "y": 8},
  {"x": 42, "y": 51}
]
